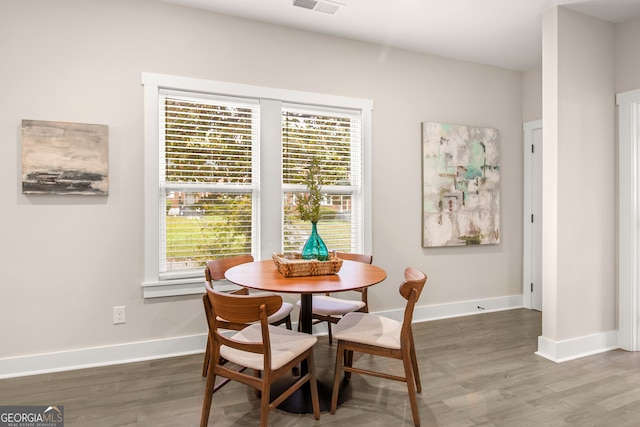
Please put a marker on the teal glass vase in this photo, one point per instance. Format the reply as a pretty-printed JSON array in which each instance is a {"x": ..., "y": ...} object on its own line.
[{"x": 315, "y": 248}]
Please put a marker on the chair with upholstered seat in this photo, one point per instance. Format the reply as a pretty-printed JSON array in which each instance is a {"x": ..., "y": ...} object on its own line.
[
  {"x": 266, "y": 349},
  {"x": 381, "y": 336},
  {"x": 214, "y": 271},
  {"x": 331, "y": 309}
]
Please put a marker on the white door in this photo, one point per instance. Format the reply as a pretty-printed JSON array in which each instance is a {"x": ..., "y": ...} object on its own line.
[{"x": 532, "y": 250}]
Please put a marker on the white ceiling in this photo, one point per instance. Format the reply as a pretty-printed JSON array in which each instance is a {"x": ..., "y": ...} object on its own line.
[{"x": 503, "y": 33}]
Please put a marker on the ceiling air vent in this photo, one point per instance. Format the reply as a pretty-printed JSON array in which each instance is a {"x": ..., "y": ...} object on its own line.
[{"x": 323, "y": 6}]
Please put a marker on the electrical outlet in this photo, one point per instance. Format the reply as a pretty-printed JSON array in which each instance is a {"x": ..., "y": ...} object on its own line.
[{"x": 119, "y": 315}]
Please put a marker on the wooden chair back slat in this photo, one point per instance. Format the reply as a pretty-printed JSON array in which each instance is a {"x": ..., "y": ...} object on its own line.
[
  {"x": 216, "y": 268},
  {"x": 367, "y": 259},
  {"x": 411, "y": 288},
  {"x": 242, "y": 308},
  {"x": 413, "y": 279}
]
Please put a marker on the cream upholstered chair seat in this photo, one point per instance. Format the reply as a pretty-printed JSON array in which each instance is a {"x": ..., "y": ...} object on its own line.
[
  {"x": 331, "y": 306},
  {"x": 369, "y": 329},
  {"x": 285, "y": 346}
]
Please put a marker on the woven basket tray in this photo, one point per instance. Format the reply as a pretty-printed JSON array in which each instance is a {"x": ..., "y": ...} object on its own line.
[{"x": 292, "y": 265}]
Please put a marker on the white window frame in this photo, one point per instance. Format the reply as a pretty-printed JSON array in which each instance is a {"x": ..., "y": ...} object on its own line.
[{"x": 270, "y": 167}]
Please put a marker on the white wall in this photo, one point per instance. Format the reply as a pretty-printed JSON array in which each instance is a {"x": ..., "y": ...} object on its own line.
[
  {"x": 549, "y": 170},
  {"x": 627, "y": 55},
  {"x": 586, "y": 193},
  {"x": 579, "y": 180},
  {"x": 532, "y": 95},
  {"x": 68, "y": 260}
]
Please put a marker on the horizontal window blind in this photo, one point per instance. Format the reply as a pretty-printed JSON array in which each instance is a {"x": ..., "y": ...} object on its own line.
[
  {"x": 208, "y": 179},
  {"x": 208, "y": 142},
  {"x": 335, "y": 138}
]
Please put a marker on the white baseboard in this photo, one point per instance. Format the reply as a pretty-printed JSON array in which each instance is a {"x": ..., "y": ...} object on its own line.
[
  {"x": 101, "y": 356},
  {"x": 170, "y": 347},
  {"x": 575, "y": 348},
  {"x": 457, "y": 309}
]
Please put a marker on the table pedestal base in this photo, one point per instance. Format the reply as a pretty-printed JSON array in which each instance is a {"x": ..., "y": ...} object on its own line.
[{"x": 300, "y": 401}]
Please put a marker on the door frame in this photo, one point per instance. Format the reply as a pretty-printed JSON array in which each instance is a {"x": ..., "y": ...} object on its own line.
[
  {"x": 628, "y": 216},
  {"x": 527, "y": 264}
]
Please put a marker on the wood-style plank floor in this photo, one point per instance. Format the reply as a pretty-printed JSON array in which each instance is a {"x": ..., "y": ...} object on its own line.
[{"x": 476, "y": 371}]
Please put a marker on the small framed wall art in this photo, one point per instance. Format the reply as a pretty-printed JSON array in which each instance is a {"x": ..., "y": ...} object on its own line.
[
  {"x": 461, "y": 185},
  {"x": 65, "y": 158}
]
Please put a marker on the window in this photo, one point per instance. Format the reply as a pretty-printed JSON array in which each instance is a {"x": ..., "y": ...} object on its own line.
[
  {"x": 335, "y": 138},
  {"x": 222, "y": 164},
  {"x": 207, "y": 184}
]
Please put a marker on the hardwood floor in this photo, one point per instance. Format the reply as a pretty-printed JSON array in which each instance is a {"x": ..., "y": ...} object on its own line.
[{"x": 476, "y": 371}]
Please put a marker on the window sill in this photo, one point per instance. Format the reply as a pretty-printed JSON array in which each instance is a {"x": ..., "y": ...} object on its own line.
[{"x": 178, "y": 287}]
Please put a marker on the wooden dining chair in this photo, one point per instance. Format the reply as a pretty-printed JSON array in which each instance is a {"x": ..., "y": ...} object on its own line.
[
  {"x": 381, "y": 336},
  {"x": 214, "y": 271},
  {"x": 268, "y": 350},
  {"x": 331, "y": 309}
]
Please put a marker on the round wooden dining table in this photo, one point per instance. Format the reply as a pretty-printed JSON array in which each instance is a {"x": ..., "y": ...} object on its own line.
[{"x": 264, "y": 276}]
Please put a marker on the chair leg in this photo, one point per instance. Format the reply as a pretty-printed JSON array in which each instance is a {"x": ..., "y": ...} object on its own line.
[
  {"x": 315, "y": 403},
  {"x": 330, "y": 335},
  {"x": 208, "y": 396},
  {"x": 207, "y": 358},
  {"x": 348, "y": 361},
  {"x": 416, "y": 369},
  {"x": 264, "y": 404},
  {"x": 256, "y": 392},
  {"x": 294, "y": 371},
  {"x": 341, "y": 356},
  {"x": 288, "y": 322},
  {"x": 411, "y": 386}
]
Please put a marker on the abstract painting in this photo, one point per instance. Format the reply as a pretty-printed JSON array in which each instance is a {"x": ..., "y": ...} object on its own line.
[
  {"x": 461, "y": 185},
  {"x": 64, "y": 158}
]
